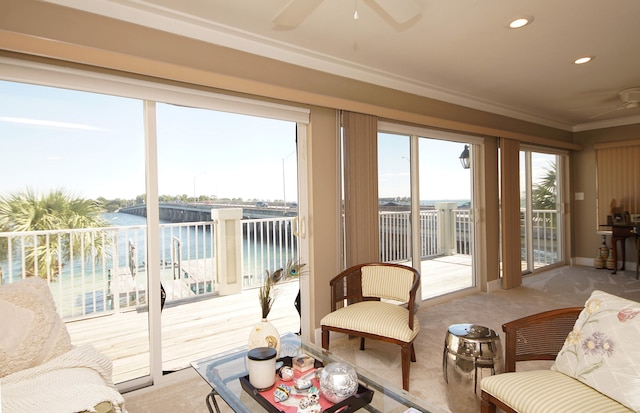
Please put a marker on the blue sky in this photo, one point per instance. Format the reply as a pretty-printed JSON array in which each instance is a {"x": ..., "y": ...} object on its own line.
[
  {"x": 93, "y": 145},
  {"x": 441, "y": 175}
]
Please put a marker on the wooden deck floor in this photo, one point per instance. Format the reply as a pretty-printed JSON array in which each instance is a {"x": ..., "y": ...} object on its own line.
[{"x": 200, "y": 328}]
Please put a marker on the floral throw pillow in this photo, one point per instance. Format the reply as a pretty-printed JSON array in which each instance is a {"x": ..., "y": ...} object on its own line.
[{"x": 603, "y": 350}]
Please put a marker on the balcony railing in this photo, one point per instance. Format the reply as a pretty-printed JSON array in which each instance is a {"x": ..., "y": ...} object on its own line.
[
  {"x": 395, "y": 234},
  {"x": 544, "y": 237},
  {"x": 104, "y": 270}
]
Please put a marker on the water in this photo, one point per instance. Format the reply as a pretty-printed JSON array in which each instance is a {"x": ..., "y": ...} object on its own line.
[
  {"x": 83, "y": 285},
  {"x": 259, "y": 255}
]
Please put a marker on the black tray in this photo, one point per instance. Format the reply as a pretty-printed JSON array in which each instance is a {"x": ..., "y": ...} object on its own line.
[{"x": 351, "y": 404}]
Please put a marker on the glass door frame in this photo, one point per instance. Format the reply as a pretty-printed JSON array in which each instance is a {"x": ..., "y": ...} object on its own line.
[
  {"x": 526, "y": 152},
  {"x": 414, "y": 134}
]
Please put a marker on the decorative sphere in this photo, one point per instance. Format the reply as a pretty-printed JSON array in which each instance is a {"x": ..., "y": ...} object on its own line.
[{"x": 338, "y": 381}]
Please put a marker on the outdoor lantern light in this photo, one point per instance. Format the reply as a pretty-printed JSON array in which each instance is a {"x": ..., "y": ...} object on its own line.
[{"x": 464, "y": 158}]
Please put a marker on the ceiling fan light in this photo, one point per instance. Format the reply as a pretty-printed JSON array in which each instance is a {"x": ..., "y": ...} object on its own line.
[
  {"x": 583, "y": 60},
  {"x": 520, "y": 22}
]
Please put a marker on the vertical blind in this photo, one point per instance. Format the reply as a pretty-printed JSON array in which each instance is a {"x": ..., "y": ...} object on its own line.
[
  {"x": 510, "y": 201},
  {"x": 618, "y": 179},
  {"x": 361, "y": 188}
]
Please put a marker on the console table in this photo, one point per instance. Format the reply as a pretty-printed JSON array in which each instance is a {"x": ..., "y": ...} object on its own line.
[
  {"x": 621, "y": 233},
  {"x": 223, "y": 372}
]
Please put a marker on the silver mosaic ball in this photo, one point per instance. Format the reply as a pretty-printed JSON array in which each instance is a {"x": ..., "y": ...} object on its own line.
[{"x": 338, "y": 381}]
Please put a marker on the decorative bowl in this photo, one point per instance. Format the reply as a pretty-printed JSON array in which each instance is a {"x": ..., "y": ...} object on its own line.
[{"x": 338, "y": 381}]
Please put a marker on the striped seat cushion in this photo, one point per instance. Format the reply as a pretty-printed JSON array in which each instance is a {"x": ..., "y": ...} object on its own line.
[
  {"x": 548, "y": 391},
  {"x": 374, "y": 317}
]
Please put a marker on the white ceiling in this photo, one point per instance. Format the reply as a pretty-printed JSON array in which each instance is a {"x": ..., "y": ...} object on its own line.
[{"x": 459, "y": 51}]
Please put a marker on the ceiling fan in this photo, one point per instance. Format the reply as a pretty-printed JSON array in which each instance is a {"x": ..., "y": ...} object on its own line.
[
  {"x": 629, "y": 98},
  {"x": 399, "y": 12}
]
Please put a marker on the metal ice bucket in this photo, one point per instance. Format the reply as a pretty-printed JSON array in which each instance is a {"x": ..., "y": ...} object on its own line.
[{"x": 471, "y": 352}]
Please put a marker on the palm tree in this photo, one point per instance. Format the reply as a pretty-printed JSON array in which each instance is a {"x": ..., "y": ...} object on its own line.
[
  {"x": 46, "y": 254},
  {"x": 544, "y": 192}
]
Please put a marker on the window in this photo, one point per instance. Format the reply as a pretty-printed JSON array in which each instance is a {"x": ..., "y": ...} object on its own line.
[{"x": 109, "y": 140}]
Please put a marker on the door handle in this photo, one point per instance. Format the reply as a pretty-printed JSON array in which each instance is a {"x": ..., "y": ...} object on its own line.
[
  {"x": 303, "y": 228},
  {"x": 299, "y": 227}
]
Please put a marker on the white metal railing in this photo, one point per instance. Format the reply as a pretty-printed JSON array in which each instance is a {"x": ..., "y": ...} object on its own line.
[
  {"x": 395, "y": 234},
  {"x": 544, "y": 237},
  {"x": 98, "y": 270},
  {"x": 269, "y": 244}
]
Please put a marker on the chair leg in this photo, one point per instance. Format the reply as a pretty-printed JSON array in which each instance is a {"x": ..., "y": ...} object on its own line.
[
  {"x": 361, "y": 343},
  {"x": 486, "y": 406},
  {"x": 325, "y": 339},
  {"x": 413, "y": 353},
  {"x": 405, "y": 354}
]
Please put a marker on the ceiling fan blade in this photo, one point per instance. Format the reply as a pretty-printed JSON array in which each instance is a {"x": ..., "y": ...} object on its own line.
[
  {"x": 401, "y": 11},
  {"x": 294, "y": 13},
  {"x": 619, "y": 107}
]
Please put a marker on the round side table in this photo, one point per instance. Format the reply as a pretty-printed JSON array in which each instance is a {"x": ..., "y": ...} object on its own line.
[{"x": 471, "y": 352}]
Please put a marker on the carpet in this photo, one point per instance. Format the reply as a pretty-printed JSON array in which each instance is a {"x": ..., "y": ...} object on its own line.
[{"x": 566, "y": 286}]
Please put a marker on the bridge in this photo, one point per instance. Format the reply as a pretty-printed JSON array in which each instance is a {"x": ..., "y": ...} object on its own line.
[{"x": 180, "y": 212}]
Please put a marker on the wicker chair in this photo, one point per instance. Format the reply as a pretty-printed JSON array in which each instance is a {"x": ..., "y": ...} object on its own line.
[
  {"x": 357, "y": 308},
  {"x": 535, "y": 337}
]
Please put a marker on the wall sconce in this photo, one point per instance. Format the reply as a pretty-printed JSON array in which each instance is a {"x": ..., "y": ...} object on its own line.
[{"x": 464, "y": 158}]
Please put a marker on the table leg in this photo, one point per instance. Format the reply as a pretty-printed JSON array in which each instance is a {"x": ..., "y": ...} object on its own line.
[
  {"x": 614, "y": 253},
  {"x": 624, "y": 250},
  {"x": 212, "y": 396},
  {"x": 638, "y": 255}
]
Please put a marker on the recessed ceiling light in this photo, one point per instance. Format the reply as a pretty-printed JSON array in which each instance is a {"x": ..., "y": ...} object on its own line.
[
  {"x": 583, "y": 60},
  {"x": 520, "y": 22}
]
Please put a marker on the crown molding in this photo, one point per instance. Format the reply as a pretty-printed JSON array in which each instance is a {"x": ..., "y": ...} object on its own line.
[
  {"x": 630, "y": 120},
  {"x": 143, "y": 13}
]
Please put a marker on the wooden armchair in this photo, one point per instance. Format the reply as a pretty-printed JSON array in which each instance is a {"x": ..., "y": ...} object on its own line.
[
  {"x": 377, "y": 301},
  {"x": 535, "y": 337}
]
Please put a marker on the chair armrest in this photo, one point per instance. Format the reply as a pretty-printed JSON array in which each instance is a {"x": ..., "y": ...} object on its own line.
[
  {"x": 538, "y": 336},
  {"x": 346, "y": 287}
]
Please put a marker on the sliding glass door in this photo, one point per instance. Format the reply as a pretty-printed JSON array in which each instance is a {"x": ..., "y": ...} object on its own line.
[
  {"x": 446, "y": 207},
  {"x": 394, "y": 203},
  {"x": 72, "y": 161},
  {"x": 141, "y": 204},
  {"x": 241, "y": 169},
  {"x": 426, "y": 206},
  {"x": 541, "y": 215}
]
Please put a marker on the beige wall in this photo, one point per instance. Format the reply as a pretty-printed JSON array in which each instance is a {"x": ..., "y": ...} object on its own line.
[
  {"x": 36, "y": 30},
  {"x": 583, "y": 172}
]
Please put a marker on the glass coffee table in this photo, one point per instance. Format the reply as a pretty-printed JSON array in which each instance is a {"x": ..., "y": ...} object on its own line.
[{"x": 223, "y": 373}]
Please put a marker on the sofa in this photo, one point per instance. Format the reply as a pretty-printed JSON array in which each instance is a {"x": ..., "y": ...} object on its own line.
[
  {"x": 40, "y": 370},
  {"x": 595, "y": 360}
]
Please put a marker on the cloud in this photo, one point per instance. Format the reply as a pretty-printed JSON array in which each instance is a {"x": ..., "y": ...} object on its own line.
[{"x": 50, "y": 123}]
